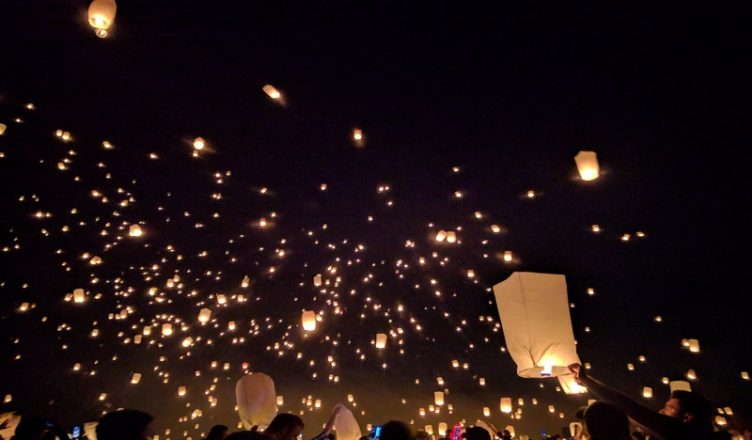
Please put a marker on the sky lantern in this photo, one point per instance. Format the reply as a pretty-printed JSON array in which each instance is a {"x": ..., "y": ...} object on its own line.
[
  {"x": 280, "y": 400},
  {"x": 204, "y": 315},
  {"x": 691, "y": 374},
  {"x": 451, "y": 237},
  {"x": 136, "y": 378},
  {"x": 256, "y": 400},
  {"x": 166, "y": 329},
  {"x": 3, "y": 127},
  {"x": 429, "y": 429},
  {"x": 309, "y": 320},
  {"x": 135, "y": 231},
  {"x": 441, "y": 235},
  {"x": 443, "y": 428},
  {"x": 187, "y": 342},
  {"x": 380, "y": 340},
  {"x": 534, "y": 313},
  {"x": 587, "y": 165},
  {"x": 345, "y": 424},
  {"x": 495, "y": 229},
  {"x": 317, "y": 280},
  {"x": 199, "y": 143},
  {"x": 102, "y": 16},
  {"x": 647, "y": 392},
  {"x": 422, "y": 412},
  {"x": 438, "y": 398},
  {"x": 679, "y": 385},
  {"x": 79, "y": 297},
  {"x": 246, "y": 282},
  {"x": 505, "y": 405},
  {"x": 486, "y": 411},
  {"x": 482, "y": 381},
  {"x": 693, "y": 345},
  {"x": 181, "y": 391},
  {"x": 272, "y": 92},
  {"x": 508, "y": 256},
  {"x": 570, "y": 386},
  {"x": 745, "y": 375},
  {"x": 358, "y": 138}
]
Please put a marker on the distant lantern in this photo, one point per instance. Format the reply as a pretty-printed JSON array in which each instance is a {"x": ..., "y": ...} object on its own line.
[
  {"x": 694, "y": 345},
  {"x": 443, "y": 427},
  {"x": 422, "y": 412},
  {"x": 441, "y": 235},
  {"x": 181, "y": 390},
  {"x": 745, "y": 375},
  {"x": 231, "y": 326},
  {"x": 451, "y": 237},
  {"x": 455, "y": 363},
  {"x": 102, "y": 16},
  {"x": 272, "y": 92},
  {"x": 440, "y": 381},
  {"x": 187, "y": 342},
  {"x": 380, "y": 340},
  {"x": 630, "y": 367},
  {"x": 350, "y": 398},
  {"x": 135, "y": 231},
  {"x": 685, "y": 343},
  {"x": 246, "y": 282},
  {"x": 679, "y": 385},
  {"x": 505, "y": 405},
  {"x": 317, "y": 280},
  {"x": 507, "y": 256},
  {"x": 486, "y": 411},
  {"x": 204, "y": 315},
  {"x": 534, "y": 312},
  {"x": 280, "y": 400},
  {"x": 438, "y": 398},
  {"x": 3, "y": 127},
  {"x": 470, "y": 273},
  {"x": 79, "y": 296},
  {"x": 720, "y": 420},
  {"x": 136, "y": 378},
  {"x": 429, "y": 429},
  {"x": 482, "y": 381},
  {"x": 309, "y": 320},
  {"x": 691, "y": 375},
  {"x": 647, "y": 392},
  {"x": 199, "y": 143},
  {"x": 495, "y": 229},
  {"x": 357, "y": 136},
  {"x": 587, "y": 165},
  {"x": 166, "y": 329},
  {"x": 664, "y": 380},
  {"x": 595, "y": 228}
]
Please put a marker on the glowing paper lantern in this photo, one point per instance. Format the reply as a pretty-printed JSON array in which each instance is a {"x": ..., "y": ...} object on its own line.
[
  {"x": 358, "y": 138},
  {"x": 79, "y": 296},
  {"x": 505, "y": 404},
  {"x": 570, "y": 386},
  {"x": 199, "y": 143},
  {"x": 317, "y": 280},
  {"x": 380, "y": 340},
  {"x": 691, "y": 375},
  {"x": 429, "y": 429},
  {"x": 534, "y": 313},
  {"x": 486, "y": 411},
  {"x": 166, "y": 329},
  {"x": 441, "y": 235},
  {"x": 508, "y": 256},
  {"x": 647, "y": 392},
  {"x": 280, "y": 400},
  {"x": 309, "y": 320},
  {"x": 575, "y": 429},
  {"x": 272, "y": 91},
  {"x": 422, "y": 412},
  {"x": 3, "y": 127},
  {"x": 135, "y": 231},
  {"x": 587, "y": 165},
  {"x": 102, "y": 15},
  {"x": 745, "y": 375},
  {"x": 181, "y": 390},
  {"x": 136, "y": 378},
  {"x": 679, "y": 385},
  {"x": 345, "y": 424},
  {"x": 204, "y": 315},
  {"x": 246, "y": 282},
  {"x": 438, "y": 398},
  {"x": 443, "y": 428},
  {"x": 256, "y": 400},
  {"x": 693, "y": 345},
  {"x": 451, "y": 237}
]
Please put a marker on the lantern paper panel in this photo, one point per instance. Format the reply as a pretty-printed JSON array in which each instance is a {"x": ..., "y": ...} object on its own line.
[
  {"x": 570, "y": 386},
  {"x": 534, "y": 312},
  {"x": 309, "y": 320},
  {"x": 438, "y": 398},
  {"x": 505, "y": 405},
  {"x": 679, "y": 385},
  {"x": 256, "y": 400},
  {"x": 380, "y": 340},
  {"x": 345, "y": 424},
  {"x": 587, "y": 165}
]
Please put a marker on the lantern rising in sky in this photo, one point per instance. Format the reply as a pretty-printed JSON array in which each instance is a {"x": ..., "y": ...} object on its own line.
[
  {"x": 587, "y": 165},
  {"x": 102, "y": 16}
]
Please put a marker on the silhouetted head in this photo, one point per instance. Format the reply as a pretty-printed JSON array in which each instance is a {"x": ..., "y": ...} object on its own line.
[
  {"x": 285, "y": 426},
  {"x": 606, "y": 422},
  {"x": 477, "y": 433},
  {"x": 126, "y": 424},
  {"x": 217, "y": 432},
  {"x": 689, "y": 407},
  {"x": 396, "y": 430}
]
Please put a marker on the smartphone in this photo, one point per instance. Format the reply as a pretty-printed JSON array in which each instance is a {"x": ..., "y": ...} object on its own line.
[
  {"x": 375, "y": 432},
  {"x": 76, "y": 433}
]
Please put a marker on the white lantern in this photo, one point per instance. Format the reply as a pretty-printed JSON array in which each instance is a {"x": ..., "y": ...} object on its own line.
[
  {"x": 647, "y": 392},
  {"x": 505, "y": 405},
  {"x": 438, "y": 398},
  {"x": 443, "y": 428},
  {"x": 102, "y": 15},
  {"x": 429, "y": 429},
  {"x": 534, "y": 313},
  {"x": 317, "y": 280},
  {"x": 745, "y": 375},
  {"x": 508, "y": 256},
  {"x": 694, "y": 345},
  {"x": 204, "y": 315},
  {"x": 280, "y": 400},
  {"x": 245, "y": 282},
  {"x": 79, "y": 296},
  {"x": 587, "y": 165},
  {"x": 570, "y": 386},
  {"x": 451, "y": 237},
  {"x": 691, "y": 375},
  {"x": 199, "y": 143},
  {"x": 441, "y": 235},
  {"x": 136, "y": 378},
  {"x": 166, "y": 329},
  {"x": 575, "y": 429},
  {"x": 486, "y": 411},
  {"x": 440, "y": 381},
  {"x": 309, "y": 320},
  {"x": 358, "y": 138},
  {"x": 256, "y": 400},
  {"x": 482, "y": 381},
  {"x": 3, "y": 127},
  {"x": 345, "y": 425},
  {"x": 135, "y": 231},
  {"x": 422, "y": 412},
  {"x": 181, "y": 390},
  {"x": 272, "y": 92},
  {"x": 679, "y": 385},
  {"x": 380, "y": 340}
]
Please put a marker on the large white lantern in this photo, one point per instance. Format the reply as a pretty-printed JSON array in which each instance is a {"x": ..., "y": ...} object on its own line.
[
  {"x": 679, "y": 385},
  {"x": 380, "y": 340},
  {"x": 345, "y": 424},
  {"x": 505, "y": 405},
  {"x": 102, "y": 15},
  {"x": 438, "y": 398},
  {"x": 256, "y": 400},
  {"x": 587, "y": 165},
  {"x": 309, "y": 320},
  {"x": 534, "y": 313}
]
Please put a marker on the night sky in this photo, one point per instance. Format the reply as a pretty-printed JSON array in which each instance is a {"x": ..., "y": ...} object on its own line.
[{"x": 506, "y": 95}]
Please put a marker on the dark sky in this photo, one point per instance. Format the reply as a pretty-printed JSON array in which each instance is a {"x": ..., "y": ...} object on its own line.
[{"x": 507, "y": 94}]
